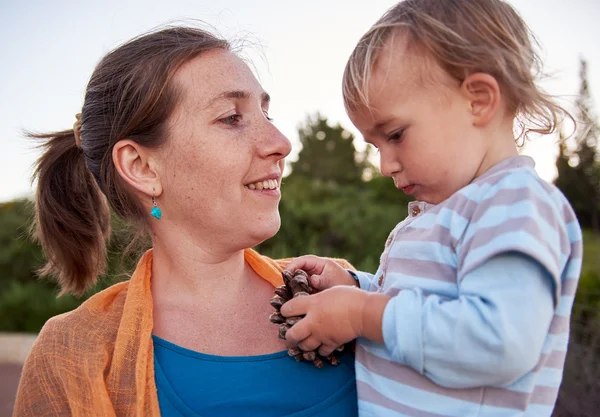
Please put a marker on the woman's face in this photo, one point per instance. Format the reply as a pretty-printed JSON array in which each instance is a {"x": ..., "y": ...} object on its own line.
[{"x": 221, "y": 166}]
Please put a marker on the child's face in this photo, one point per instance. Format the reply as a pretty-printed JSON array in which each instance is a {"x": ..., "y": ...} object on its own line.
[{"x": 420, "y": 121}]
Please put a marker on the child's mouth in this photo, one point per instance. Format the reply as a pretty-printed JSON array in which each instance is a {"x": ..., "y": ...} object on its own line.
[{"x": 408, "y": 189}]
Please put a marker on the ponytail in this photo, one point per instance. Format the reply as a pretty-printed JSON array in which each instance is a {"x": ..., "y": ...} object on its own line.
[{"x": 72, "y": 218}]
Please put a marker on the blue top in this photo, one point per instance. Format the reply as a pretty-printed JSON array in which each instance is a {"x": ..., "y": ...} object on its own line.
[{"x": 195, "y": 384}]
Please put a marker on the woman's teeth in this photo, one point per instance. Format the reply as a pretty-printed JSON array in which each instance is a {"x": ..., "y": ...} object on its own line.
[{"x": 263, "y": 185}]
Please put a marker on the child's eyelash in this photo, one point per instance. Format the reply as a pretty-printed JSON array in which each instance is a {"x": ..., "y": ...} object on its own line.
[{"x": 397, "y": 135}]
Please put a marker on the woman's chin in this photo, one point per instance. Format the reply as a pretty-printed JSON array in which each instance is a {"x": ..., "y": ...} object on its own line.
[{"x": 265, "y": 230}]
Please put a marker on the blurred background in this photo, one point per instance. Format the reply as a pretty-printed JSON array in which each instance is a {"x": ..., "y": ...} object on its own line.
[{"x": 334, "y": 202}]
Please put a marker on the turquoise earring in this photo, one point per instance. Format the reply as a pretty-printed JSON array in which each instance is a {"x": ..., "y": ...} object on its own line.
[{"x": 156, "y": 211}]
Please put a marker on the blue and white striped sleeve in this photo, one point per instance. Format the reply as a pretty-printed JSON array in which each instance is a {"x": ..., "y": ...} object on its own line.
[
  {"x": 518, "y": 215},
  {"x": 491, "y": 335},
  {"x": 509, "y": 266}
]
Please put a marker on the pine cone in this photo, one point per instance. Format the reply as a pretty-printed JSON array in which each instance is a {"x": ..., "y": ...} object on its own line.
[{"x": 296, "y": 286}]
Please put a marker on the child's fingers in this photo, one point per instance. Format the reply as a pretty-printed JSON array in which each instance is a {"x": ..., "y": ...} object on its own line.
[
  {"x": 308, "y": 344},
  {"x": 318, "y": 282},
  {"x": 326, "y": 350},
  {"x": 297, "y": 306},
  {"x": 298, "y": 333},
  {"x": 310, "y": 263},
  {"x": 331, "y": 279}
]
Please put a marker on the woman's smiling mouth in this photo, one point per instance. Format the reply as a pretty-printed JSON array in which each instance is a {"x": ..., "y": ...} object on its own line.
[{"x": 263, "y": 185}]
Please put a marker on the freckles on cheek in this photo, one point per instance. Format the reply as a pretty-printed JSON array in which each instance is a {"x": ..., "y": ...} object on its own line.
[{"x": 193, "y": 166}]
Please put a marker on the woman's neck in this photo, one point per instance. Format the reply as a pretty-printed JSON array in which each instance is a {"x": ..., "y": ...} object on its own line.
[
  {"x": 185, "y": 268},
  {"x": 210, "y": 301}
]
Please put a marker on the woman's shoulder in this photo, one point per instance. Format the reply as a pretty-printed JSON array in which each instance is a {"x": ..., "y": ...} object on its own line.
[
  {"x": 89, "y": 327},
  {"x": 70, "y": 355},
  {"x": 282, "y": 263}
]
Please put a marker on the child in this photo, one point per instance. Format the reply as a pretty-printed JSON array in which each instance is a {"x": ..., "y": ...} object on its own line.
[{"x": 468, "y": 313}]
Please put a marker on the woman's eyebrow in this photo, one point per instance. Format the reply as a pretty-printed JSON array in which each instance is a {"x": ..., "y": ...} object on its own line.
[{"x": 237, "y": 94}]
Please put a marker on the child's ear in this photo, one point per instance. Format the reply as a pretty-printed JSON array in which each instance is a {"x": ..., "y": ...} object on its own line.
[
  {"x": 136, "y": 166},
  {"x": 483, "y": 96}
]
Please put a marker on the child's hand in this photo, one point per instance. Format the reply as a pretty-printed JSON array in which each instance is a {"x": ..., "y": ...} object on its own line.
[
  {"x": 333, "y": 317},
  {"x": 322, "y": 273}
]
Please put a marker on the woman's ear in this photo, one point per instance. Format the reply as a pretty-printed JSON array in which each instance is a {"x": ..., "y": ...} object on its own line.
[
  {"x": 482, "y": 92},
  {"x": 136, "y": 165}
]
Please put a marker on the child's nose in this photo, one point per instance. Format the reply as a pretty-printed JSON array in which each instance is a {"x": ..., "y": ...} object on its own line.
[{"x": 388, "y": 164}]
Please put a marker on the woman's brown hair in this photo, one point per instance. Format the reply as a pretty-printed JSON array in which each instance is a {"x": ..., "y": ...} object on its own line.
[
  {"x": 130, "y": 95},
  {"x": 464, "y": 37}
]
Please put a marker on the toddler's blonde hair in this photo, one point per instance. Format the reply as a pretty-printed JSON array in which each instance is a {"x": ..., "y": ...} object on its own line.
[{"x": 464, "y": 37}]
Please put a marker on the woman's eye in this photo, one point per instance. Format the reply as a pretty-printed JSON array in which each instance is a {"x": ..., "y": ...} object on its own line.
[
  {"x": 232, "y": 120},
  {"x": 270, "y": 119}
]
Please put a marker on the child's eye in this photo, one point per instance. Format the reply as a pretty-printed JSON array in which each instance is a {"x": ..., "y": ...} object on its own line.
[
  {"x": 232, "y": 120},
  {"x": 396, "y": 136}
]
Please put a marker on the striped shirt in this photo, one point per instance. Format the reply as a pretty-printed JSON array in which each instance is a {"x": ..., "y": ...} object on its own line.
[{"x": 482, "y": 288}]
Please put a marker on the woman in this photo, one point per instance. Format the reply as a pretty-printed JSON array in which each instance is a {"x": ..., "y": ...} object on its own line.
[{"x": 175, "y": 134}]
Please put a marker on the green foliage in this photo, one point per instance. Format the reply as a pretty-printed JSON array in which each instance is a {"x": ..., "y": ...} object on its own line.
[
  {"x": 19, "y": 255},
  {"x": 26, "y": 300},
  {"x": 588, "y": 294},
  {"x": 327, "y": 208},
  {"x": 578, "y": 178},
  {"x": 350, "y": 222},
  {"x": 328, "y": 153},
  {"x": 578, "y": 168},
  {"x": 25, "y": 306},
  {"x": 580, "y": 390},
  {"x": 591, "y": 253}
]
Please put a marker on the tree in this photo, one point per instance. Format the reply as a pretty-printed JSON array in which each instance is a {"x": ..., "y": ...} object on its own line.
[
  {"x": 328, "y": 153},
  {"x": 579, "y": 169}
]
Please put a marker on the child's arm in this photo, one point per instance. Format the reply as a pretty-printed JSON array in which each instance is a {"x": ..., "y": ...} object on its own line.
[
  {"x": 510, "y": 261},
  {"x": 490, "y": 336}
]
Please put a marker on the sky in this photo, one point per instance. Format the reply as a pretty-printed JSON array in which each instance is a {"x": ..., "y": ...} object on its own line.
[{"x": 299, "y": 49}]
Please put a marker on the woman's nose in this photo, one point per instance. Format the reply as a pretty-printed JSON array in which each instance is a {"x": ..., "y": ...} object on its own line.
[{"x": 275, "y": 143}]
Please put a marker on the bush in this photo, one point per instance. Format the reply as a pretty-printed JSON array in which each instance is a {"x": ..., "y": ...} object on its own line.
[
  {"x": 25, "y": 306},
  {"x": 27, "y": 301},
  {"x": 326, "y": 219},
  {"x": 580, "y": 390}
]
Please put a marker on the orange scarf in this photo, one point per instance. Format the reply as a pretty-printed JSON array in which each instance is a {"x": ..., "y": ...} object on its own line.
[{"x": 98, "y": 360}]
